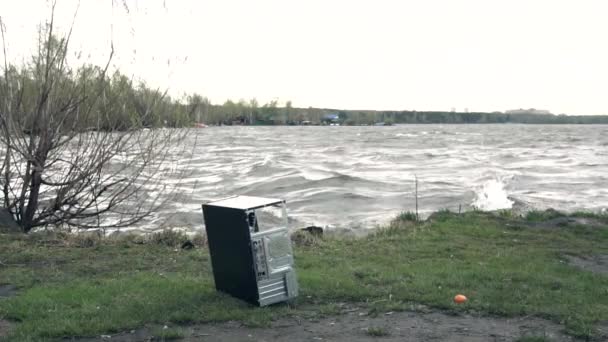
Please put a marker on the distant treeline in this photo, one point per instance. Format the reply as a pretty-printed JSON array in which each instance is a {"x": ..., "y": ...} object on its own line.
[
  {"x": 250, "y": 112},
  {"x": 90, "y": 97},
  {"x": 430, "y": 117}
]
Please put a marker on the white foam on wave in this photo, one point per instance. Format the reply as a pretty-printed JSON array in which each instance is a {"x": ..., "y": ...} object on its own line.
[
  {"x": 316, "y": 174},
  {"x": 267, "y": 159},
  {"x": 492, "y": 195}
]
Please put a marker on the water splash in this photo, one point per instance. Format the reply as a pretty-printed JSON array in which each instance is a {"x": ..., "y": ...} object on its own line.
[{"x": 492, "y": 196}]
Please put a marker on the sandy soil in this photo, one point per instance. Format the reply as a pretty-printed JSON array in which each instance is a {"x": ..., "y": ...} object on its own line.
[{"x": 353, "y": 326}]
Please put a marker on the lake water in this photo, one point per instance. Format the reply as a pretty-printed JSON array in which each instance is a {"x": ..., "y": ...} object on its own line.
[{"x": 360, "y": 177}]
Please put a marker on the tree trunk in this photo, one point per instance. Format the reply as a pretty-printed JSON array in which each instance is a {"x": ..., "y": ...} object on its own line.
[{"x": 32, "y": 202}]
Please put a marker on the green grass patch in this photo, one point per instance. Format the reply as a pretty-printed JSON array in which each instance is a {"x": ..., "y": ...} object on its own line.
[
  {"x": 167, "y": 334},
  {"x": 377, "y": 332},
  {"x": 503, "y": 266},
  {"x": 542, "y": 215},
  {"x": 407, "y": 216}
]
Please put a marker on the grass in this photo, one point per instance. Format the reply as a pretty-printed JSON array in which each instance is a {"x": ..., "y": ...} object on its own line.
[
  {"x": 407, "y": 216},
  {"x": 542, "y": 215},
  {"x": 167, "y": 334},
  {"x": 503, "y": 264},
  {"x": 377, "y": 332}
]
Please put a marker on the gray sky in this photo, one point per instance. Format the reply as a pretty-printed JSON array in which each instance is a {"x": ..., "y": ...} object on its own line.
[{"x": 483, "y": 55}]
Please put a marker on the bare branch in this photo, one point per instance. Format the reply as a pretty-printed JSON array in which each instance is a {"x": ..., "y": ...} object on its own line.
[{"x": 73, "y": 148}]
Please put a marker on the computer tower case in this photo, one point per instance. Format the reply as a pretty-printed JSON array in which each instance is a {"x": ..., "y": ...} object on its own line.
[{"x": 251, "y": 257}]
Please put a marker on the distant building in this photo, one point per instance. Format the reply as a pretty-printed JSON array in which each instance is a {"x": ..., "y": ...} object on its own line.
[
  {"x": 331, "y": 118},
  {"x": 528, "y": 111}
]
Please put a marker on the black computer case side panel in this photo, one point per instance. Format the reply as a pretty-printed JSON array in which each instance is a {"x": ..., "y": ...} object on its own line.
[{"x": 230, "y": 249}]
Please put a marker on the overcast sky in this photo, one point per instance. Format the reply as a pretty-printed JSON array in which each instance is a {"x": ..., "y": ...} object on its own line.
[{"x": 482, "y": 55}]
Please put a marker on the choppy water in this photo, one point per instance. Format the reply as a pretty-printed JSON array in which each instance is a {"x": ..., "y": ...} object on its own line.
[{"x": 359, "y": 177}]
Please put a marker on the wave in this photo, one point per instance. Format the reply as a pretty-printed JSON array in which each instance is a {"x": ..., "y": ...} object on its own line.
[
  {"x": 342, "y": 180},
  {"x": 359, "y": 176},
  {"x": 492, "y": 195}
]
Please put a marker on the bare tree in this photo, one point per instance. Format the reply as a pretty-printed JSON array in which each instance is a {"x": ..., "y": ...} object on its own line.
[{"x": 74, "y": 150}]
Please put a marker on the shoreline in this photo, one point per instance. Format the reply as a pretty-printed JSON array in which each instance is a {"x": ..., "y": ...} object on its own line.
[{"x": 546, "y": 265}]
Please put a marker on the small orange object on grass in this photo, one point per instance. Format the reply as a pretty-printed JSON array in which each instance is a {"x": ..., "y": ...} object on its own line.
[{"x": 459, "y": 299}]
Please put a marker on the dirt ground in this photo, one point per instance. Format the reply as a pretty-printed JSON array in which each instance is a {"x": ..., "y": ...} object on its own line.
[
  {"x": 7, "y": 290},
  {"x": 356, "y": 325},
  {"x": 595, "y": 264},
  {"x": 4, "y": 329}
]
